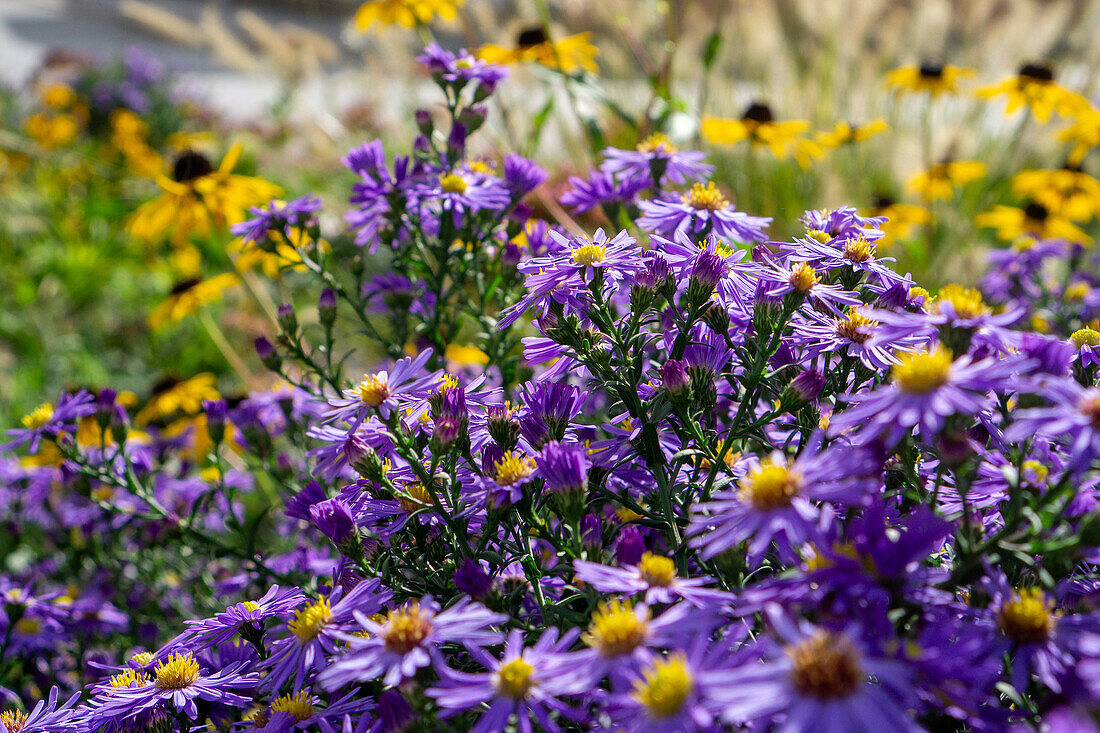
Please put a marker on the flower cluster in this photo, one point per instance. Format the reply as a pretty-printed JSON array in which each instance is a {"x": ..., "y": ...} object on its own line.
[{"x": 679, "y": 476}]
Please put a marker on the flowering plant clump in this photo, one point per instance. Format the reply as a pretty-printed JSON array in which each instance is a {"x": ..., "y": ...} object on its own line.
[{"x": 672, "y": 477}]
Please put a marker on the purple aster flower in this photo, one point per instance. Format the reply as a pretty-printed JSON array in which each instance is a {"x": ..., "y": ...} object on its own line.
[
  {"x": 801, "y": 279},
  {"x": 379, "y": 391},
  {"x": 853, "y": 334},
  {"x": 656, "y": 159},
  {"x": 521, "y": 175},
  {"x": 472, "y": 579},
  {"x": 506, "y": 473},
  {"x": 277, "y": 215},
  {"x": 315, "y": 631},
  {"x": 47, "y": 716},
  {"x": 818, "y": 680},
  {"x": 333, "y": 517},
  {"x": 458, "y": 193},
  {"x": 46, "y": 420},
  {"x": 843, "y": 223},
  {"x": 616, "y": 259},
  {"x": 927, "y": 387},
  {"x": 238, "y": 618},
  {"x": 461, "y": 67},
  {"x": 564, "y": 468},
  {"x": 408, "y": 639},
  {"x": 600, "y": 188},
  {"x": 778, "y": 500},
  {"x": 1072, "y": 419},
  {"x": 525, "y": 684},
  {"x": 548, "y": 411},
  {"x": 701, "y": 211},
  {"x": 1041, "y": 641},
  {"x": 654, "y": 575},
  {"x": 735, "y": 281},
  {"x": 174, "y": 685}
]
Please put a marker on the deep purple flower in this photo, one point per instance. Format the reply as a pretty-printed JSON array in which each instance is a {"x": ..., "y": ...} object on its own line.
[
  {"x": 333, "y": 517},
  {"x": 701, "y": 211}
]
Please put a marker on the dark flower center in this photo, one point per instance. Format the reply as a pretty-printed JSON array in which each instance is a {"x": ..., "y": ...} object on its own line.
[
  {"x": 825, "y": 666},
  {"x": 1036, "y": 212},
  {"x": 881, "y": 202},
  {"x": 531, "y": 37},
  {"x": 165, "y": 384},
  {"x": 931, "y": 71},
  {"x": 191, "y": 165},
  {"x": 1037, "y": 72},
  {"x": 758, "y": 112},
  {"x": 184, "y": 285}
]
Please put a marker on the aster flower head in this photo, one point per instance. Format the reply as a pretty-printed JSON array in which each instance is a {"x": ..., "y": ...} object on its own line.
[
  {"x": 655, "y": 576},
  {"x": 601, "y": 188},
  {"x": 657, "y": 160},
  {"x": 701, "y": 211},
  {"x": 462, "y": 67},
  {"x": 458, "y": 193},
  {"x": 380, "y": 391},
  {"x": 780, "y": 501},
  {"x": 548, "y": 411},
  {"x": 241, "y": 617},
  {"x": 818, "y": 680},
  {"x": 1071, "y": 419},
  {"x": 926, "y": 388},
  {"x": 407, "y": 639},
  {"x": 48, "y": 420},
  {"x": 525, "y": 683}
]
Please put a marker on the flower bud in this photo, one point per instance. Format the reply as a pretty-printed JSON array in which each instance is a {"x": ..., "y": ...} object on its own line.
[
  {"x": 333, "y": 517},
  {"x": 326, "y": 307},
  {"x": 216, "y": 412},
  {"x": 424, "y": 122},
  {"x": 266, "y": 351},
  {"x": 471, "y": 579},
  {"x": 630, "y": 545},
  {"x": 674, "y": 377},
  {"x": 503, "y": 426},
  {"x": 288, "y": 321}
]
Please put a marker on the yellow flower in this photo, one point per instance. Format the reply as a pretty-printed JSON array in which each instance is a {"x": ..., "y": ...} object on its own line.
[
  {"x": 1066, "y": 192},
  {"x": 1083, "y": 132},
  {"x": 172, "y": 395},
  {"x": 901, "y": 220},
  {"x": 927, "y": 77},
  {"x": 759, "y": 126},
  {"x": 465, "y": 355},
  {"x": 941, "y": 180},
  {"x": 405, "y": 13},
  {"x": 846, "y": 133},
  {"x": 1034, "y": 87},
  {"x": 52, "y": 131},
  {"x": 278, "y": 255},
  {"x": 188, "y": 296},
  {"x": 58, "y": 96},
  {"x": 1032, "y": 219},
  {"x": 569, "y": 54},
  {"x": 128, "y": 136},
  {"x": 198, "y": 199}
]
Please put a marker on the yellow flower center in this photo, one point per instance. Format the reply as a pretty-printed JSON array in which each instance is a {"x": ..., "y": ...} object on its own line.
[
  {"x": 513, "y": 468},
  {"x": 39, "y": 416},
  {"x": 706, "y": 197},
  {"x": 803, "y": 277},
  {"x": 825, "y": 666},
  {"x": 374, "y": 389},
  {"x": 857, "y": 250},
  {"x": 1077, "y": 290},
  {"x": 770, "y": 486},
  {"x": 1037, "y": 473},
  {"x": 250, "y": 606},
  {"x": 616, "y": 629},
  {"x": 656, "y": 141},
  {"x": 1085, "y": 337},
  {"x": 656, "y": 570},
  {"x": 452, "y": 183},
  {"x": 514, "y": 679},
  {"x": 923, "y": 371},
  {"x": 299, "y": 706},
  {"x": 308, "y": 622},
  {"x": 129, "y": 678},
  {"x": 918, "y": 292},
  {"x": 406, "y": 628},
  {"x": 180, "y": 671},
  {"x": 13, "y": 720},
  {"x": 818, "y": 236},
  {"x": 666, "y": 686},
  {"x": 1028, "y": 617},
  {"x": 28, "y": 626},
  {"x": 967, "y": 302},
  {"x": 419, "y": 495},
  {"x": 851, "y": 328},
  {"x": 142, "y": 658},
  {"x": 589, "y": 254}
]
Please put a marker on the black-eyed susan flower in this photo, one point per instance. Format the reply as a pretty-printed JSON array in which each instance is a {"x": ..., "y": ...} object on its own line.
[
  {"x": 198, "y": 199},
  {"x": 189, "y": 296},
  {"x": 1083, "y": 132},
  {"x": 1034, "y": 87},
  {"x": 1066, "y": 192},
  {"x": 405, "y": 13},
  {"x": 568, "y": 55},
  {"x": 171, "y": 396},
  {"x": 901, "y": 219},
  {"x": 941, "y": 180},
  {"x": 52, "y": 131},
  {"x": 758, "y": 125},
  {"x": 928, "y": 77},
  {"x": 1033, "y": 219},
  {"x": 847, "y": 133}
]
